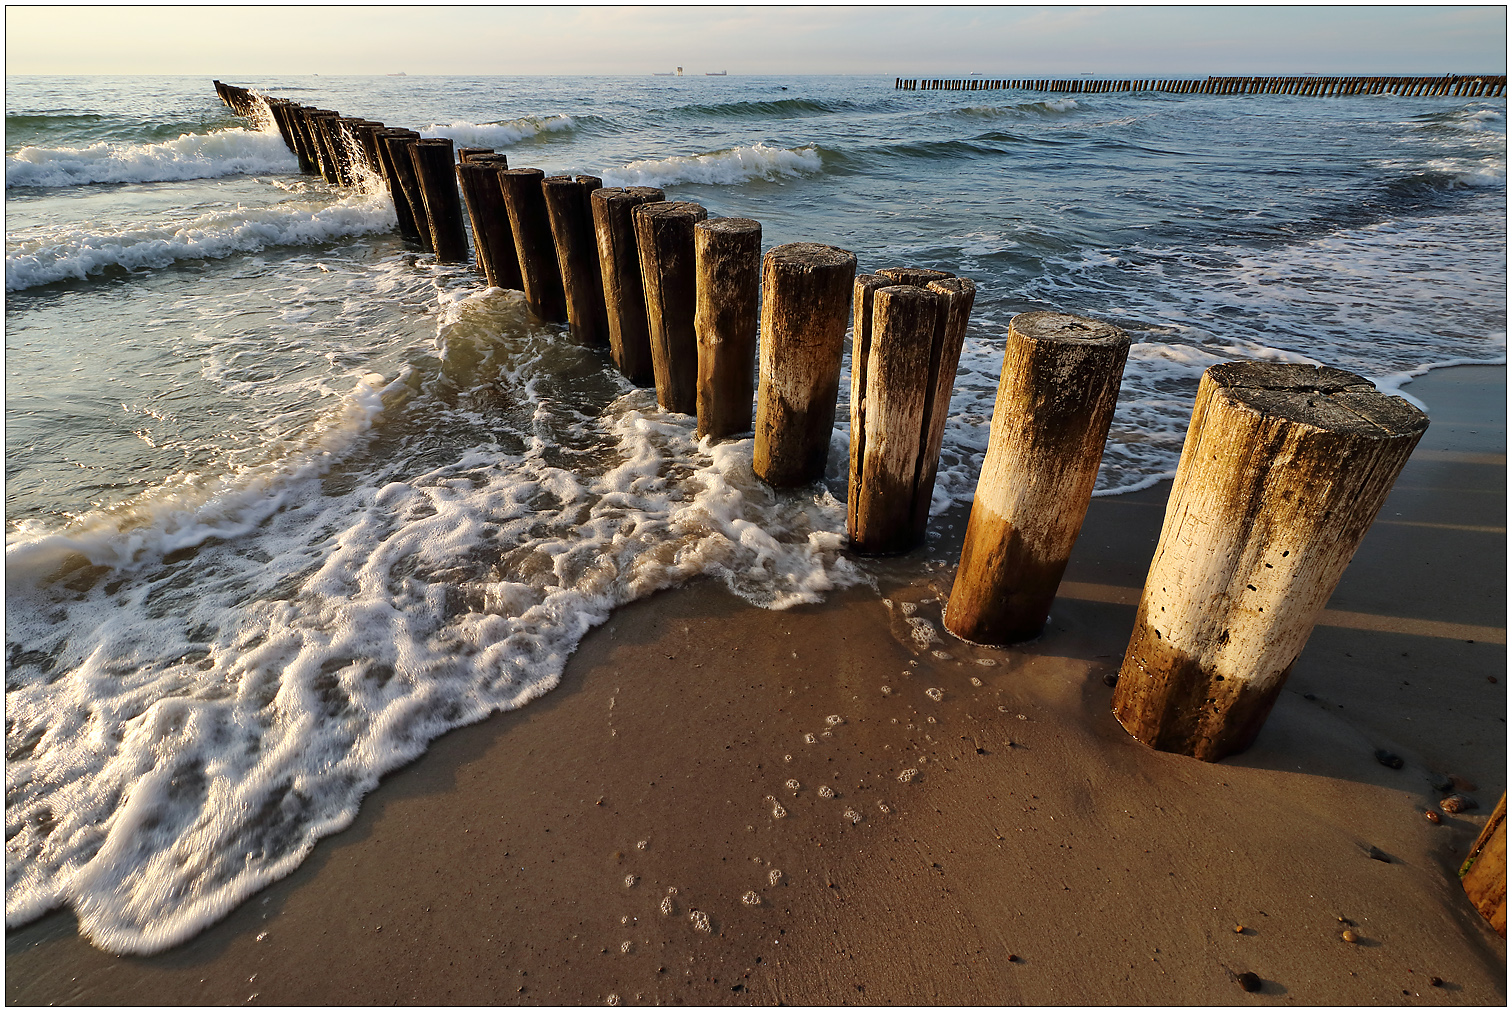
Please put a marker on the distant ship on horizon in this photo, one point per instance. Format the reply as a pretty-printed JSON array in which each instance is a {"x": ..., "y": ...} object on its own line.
[
  {"x": 721, "y": 73},
  {"x": 400, "y": 74}
]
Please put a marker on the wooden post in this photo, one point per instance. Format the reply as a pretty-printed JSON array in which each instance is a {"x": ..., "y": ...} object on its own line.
[
  {"x": 1283, "y": 470},
  {"x": 493, "y": 240},
  {"x": 433, "y": 163},
  {"x": 1484, "y": 873},
  {"x": 664, "y": 236},
  {"x": 806, "y": 294},
  {"x": 403, "y": 167},
  {"x": 540, "y": 277},
  {"x": 727, "y": 312},
  {"x": 569, "y": 208},
  {"x": 330, "y": 133},
  {"x": 402, "y": 209},
  {"x": 620, "y": 268},
  {"x": 1054, "y": 404}
]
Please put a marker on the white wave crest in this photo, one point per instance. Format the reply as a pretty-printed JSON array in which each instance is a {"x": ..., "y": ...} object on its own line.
[
  {"x": 192, "y": 156},
  {"x": 733, "y": 165},
  {"x": 74, "y": 253},
  {"x": 499, "y": 135}
]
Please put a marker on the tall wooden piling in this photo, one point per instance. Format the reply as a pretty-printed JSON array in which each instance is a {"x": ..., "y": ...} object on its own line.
[
  {"x": 1054, "y": 404},
  {"x": 437, "y": 179},
  {"x": 493, "y": 240},
  {"x": 535, "y": 250},
  {"x": 620, "y": 269},
  {"x": 402, "y": 164},
  {"x": 404, "y": 212},
  {"x": 727, "y": 314},
  {"x": 1283, "y": 471},
  {"x": 570, "y": 210},
  {"x": 664, "y": 236},
  {"x": 900, "y": 400},
  {"x": 806, "y": 295}
]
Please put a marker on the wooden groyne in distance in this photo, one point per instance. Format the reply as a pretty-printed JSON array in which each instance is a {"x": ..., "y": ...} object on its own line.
[{"x": 1457, "y": 85}]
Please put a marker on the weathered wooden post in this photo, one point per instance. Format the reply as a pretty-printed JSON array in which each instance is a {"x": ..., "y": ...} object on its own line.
[
  {"x": 727, "y": 259},
  {"x": 620, "y": 268},
  {"x": 540, "y": 277},
  {"x": 900, "y": 400},
  {"x": 1054, "y": 404},
  {"x": 664, "y": 235},
  {"x": 806, "y": 294},
  {"x": 433, "y": 162},
  {"x": 569, "y": 208},
  {"x": 1282, "y": 473},
  {"x": 464, "y": 155},
  {"x": 403, "y": 167},
  {"x": 493, "y": 240},
  {"x": 1484, "y": 873},
  {"x": 387, "y": 164}
]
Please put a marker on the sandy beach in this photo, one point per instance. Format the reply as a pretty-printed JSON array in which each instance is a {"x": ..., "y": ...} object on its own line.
[{"x": 731, "y": 806}]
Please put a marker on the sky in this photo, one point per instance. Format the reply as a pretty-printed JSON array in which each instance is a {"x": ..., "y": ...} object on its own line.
[{"x": 906, "y": 41}]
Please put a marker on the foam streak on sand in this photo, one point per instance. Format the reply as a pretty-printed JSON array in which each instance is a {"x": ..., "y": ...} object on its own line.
[{"x": 186, "y": 745}]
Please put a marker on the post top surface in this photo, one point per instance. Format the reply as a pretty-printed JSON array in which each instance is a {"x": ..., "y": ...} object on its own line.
[
  {"x": 914, "y": 275},
  {"x": 811, "y": 255},
  {"x": 1325, "y": 398},
  {"x": 955, "y": 286},
  {"x": 730, "y": 225},
  {"x": 906, "y": 293},
  {"x": 670, "y": 209},
  {"x": 571, "y": 181},
  {"x": 523, "y": 172},
  {"x": 1067, "y": 328},
  {"x": 627, "y": 193},
  {"x": 434, "y": 142}
]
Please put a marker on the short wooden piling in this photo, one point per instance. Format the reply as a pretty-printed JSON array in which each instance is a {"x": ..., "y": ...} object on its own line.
[
  {"x": 432, "y": 157},
  {"x": 535, "y": 250},
  {"x": 1055, "y": 401},
  {"x": 620, "y": 269},
  {"x": 806, "y": 296},
  {"x": 1283, "y": 471},
  {"x": 727, "y": 314},
  {"x": 664, "y": 236},
  {"x": 570, "y": 210},
  {"x": 493, "y": 240},
  {"x": 1484, "y": 873},
  {"x": 464, "y": 155}
]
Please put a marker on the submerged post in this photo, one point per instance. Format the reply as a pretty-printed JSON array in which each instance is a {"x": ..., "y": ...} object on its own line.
[
  {"x": 903, "y": 369},
  {"x": 493, "y": 239},
  {"x": 664, "y": 235},
  {"x": 1283, "y": 471},
  {"x": 540, "y": 278},
  {"x": 443, "y": 207},
  {"x": 570, "y": 211},
  {"x": 1054, "y": 404},
  {"x": 806, "y": 294},
  {"x": 620, "y": 269},
  {"x": 727, "y": 256}
]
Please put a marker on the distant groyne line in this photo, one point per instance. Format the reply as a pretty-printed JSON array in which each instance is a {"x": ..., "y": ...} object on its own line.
[{"x": 1454, "y": 85}]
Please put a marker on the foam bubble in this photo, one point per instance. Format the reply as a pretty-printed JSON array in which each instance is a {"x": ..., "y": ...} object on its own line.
[{"x": 935, "y": 694}]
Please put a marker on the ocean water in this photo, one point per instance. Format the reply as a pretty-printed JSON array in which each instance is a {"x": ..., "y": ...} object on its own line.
[{"x": 285, "y": 499}]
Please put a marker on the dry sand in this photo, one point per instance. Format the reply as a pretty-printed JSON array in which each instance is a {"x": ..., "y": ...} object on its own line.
[{"x": 1037, "y": 854}]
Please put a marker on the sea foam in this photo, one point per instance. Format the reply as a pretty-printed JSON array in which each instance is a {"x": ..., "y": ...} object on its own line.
[
  {"x": 740, "y": 164},
  {"x": 180, "y": 743},
  {"x": 44, "y": 256},
  {"x": 228, "y": 152}
]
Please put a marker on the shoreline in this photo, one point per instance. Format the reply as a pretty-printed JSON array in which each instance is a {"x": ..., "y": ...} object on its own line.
[{"x": 1033, "y": 827}]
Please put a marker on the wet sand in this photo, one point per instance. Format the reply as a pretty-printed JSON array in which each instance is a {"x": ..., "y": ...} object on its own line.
[{"x": 633, "y": 837}]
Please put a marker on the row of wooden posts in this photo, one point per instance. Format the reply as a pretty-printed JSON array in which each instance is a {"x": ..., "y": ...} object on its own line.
[
  {"x": 1465, "y": 86},
  {"x": 1284, "y": 468}
]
